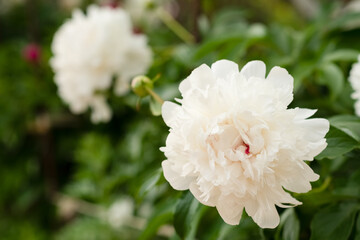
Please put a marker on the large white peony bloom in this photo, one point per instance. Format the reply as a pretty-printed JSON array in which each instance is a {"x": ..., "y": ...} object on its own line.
[
  {"x": 89, "y": 51},
  {"x": 234, "y": 143},
  {"x": 355, "y": 83}
]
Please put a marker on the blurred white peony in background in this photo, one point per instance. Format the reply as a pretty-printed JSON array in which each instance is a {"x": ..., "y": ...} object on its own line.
[
  {"x": 147, "y": 11},
  {"x": 120, "y": 212},
  {"x": 236, "y": 146},
  {"x": 354, "y": 79},
  {"x": 89, "y": 51}
]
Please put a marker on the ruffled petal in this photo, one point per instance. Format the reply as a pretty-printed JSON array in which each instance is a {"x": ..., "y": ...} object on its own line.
[
  {"x": 169, "y": 112},
  {"x": 223, "y": 68},
  {"x": 304, "y": 113},
  {"x": 267, "y": 217},
  {"x": 283, "y": 82},
  {"x": 254, "y": 69},
  {"x": 199, "y": 78},
  {"x": 209, "y": 201},
  {"x": 230, "y": 209},
  {"x": 298, "y": 180},
  {"x": 176, "y": 181},
  {"x": 316, "y": 128}
]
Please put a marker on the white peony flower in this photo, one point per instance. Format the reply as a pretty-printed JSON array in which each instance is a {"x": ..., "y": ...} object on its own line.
[
  {"x": 355, "y": 83},
  {"x": 89, "y": 51},
  {"x": 236, "y": 146}
]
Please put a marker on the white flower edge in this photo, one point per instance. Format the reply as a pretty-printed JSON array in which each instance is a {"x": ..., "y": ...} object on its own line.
[{"x": 354, "y": 80}]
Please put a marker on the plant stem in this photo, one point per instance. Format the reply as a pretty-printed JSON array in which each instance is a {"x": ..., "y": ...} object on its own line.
[
  {"x": 154, "y": 95},
  {"x": 176, "y": 27}
]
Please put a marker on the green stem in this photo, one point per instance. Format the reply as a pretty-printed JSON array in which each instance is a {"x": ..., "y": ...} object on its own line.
[
  {"x": 154, "y": 95},
  {"x": 323, "y": 186},
  {"x": 176, "y": 27}
]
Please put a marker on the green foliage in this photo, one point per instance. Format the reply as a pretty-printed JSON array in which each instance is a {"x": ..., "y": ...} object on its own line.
[
  {"x": 46, "y": 151},
  {"x": 88, "y": 229},
  {"x": 334, "y": 222},
  {"x": 289, "y": 227},
  {"x": 187, "y": 216}
]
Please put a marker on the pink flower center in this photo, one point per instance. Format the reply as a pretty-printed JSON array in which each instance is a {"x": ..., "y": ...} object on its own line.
[
  {"x": 247, "y": 150},
  {"x": 226, "y": 139}
]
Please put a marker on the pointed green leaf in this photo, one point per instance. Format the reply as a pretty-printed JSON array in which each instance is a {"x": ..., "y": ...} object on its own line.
[
  {"x": 334, "y": 222},
  {"x": 331, "y": 76},
  {"x": 339, "y": 143},
  {"x": 348, "y": 124}
]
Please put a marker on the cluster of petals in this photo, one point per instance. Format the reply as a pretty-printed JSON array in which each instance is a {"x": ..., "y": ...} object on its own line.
[
  {"x": 90, "y": 51},
  {"x": 355, "y": 83},
  {"x": 236, "y": 145}
]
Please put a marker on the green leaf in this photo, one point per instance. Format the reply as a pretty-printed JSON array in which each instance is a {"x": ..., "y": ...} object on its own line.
[
  {"x": 348, "y": 124},
  {"x": 352, "y": 187},
  {"x": 343, "y": 21},
  {"x": 339, "y": 143},
  {"x": 163, "y": 213},
  {"x": 331, "y": 76},
  {"x": 289, "y": 225},
  {"x": 334, "y": 222},
  {"x": 155, "y": 107},
  {"x": 357, "y": 234},
  {"x": 194, "y": 221},
  {"x": 247, "y": 229},
  {"x": 303, "y": 70},
  {"x": 150, "y": 182},
  {"x": 342, "y": 55},
  {"x": 213, "y": 44},
  {"x": 185, "y": 210}
]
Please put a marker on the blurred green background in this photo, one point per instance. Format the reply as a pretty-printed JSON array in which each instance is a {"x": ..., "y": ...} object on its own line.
[{"x": 61, "y": 176}]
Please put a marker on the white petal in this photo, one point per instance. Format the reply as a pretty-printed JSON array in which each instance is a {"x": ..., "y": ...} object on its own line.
[
  {"x": 251, "y": 207},
  {"x": 230, "y": 209},
  {"x": 316, "y": 128},
  {"x": 254, "y": 69},
  {"x": 194, "y": 189},
  {"x": 267, "y": 217},
  {"x": 304, "y": 113},
  {"x": 298, "y": 185},
  {"x": 284, "y": 82},
  {"x": 199, "y": 78},
  {"x": 121, "y": 86},
  {"x": 174, "y": 178},
  {"x": 169, "y": 112},
  {"x": 223, "y": 68},
  {"x": 299, "y": 179}
]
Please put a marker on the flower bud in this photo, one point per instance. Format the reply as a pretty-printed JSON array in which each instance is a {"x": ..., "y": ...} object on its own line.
[{"x": 140, "y": 84}]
